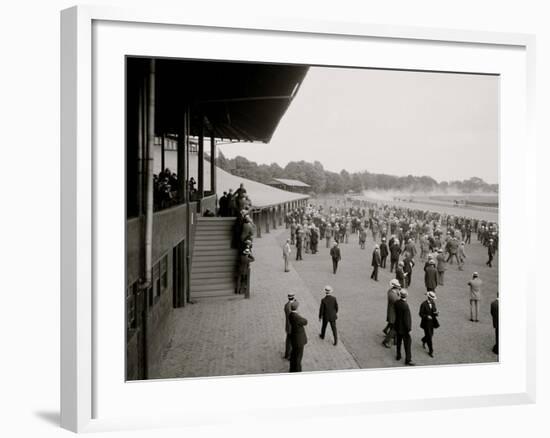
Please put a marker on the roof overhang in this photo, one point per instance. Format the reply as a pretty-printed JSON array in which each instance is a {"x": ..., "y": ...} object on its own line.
[{"x": 227, "y": 100}]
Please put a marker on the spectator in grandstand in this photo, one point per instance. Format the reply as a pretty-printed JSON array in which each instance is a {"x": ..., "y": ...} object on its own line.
[{"x": 224, "y": 205}]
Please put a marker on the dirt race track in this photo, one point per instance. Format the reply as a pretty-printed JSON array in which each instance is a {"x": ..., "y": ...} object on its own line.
[{"x": 483, "y": 213}]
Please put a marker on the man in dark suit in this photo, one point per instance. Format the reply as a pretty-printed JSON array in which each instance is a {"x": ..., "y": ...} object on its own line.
[
  {"x": 288, "y": 345},
  {"x": 400, "y": 274},
  {"x": 383, "y": 252},
  {"x": 408, "y": 264},
  {"x": 328, "y": 313},
  {"x": 393, "y": 297},
  {"x": 430, "y": 276},
  {"x": 494, "y": 314},
  {"x": 244, "y": 264},
  {"x": 299, "y": 242},
  {"x": 375, "y": 263},
  {"x": 395, "y": 251},
  {"x": 224, "y": 205},
  {"x": 336, "y": 256},
  {"x": 298, "y": 338},
  {"x": 490, "y": 252},
  {"x": 428, "y": 321},
  {"x": 403, "y": 327}
]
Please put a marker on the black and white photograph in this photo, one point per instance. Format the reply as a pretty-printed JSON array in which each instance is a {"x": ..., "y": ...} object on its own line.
[{"x": 285, "y": 218}]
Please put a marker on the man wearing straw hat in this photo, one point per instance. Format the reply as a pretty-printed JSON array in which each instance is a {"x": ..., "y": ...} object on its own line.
[
  {"x": 328, "y": 313},
  {"x": 428, "y": 315}
]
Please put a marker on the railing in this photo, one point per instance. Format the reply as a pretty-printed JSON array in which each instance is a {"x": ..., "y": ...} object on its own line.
[{"x": 208, "y": 202}]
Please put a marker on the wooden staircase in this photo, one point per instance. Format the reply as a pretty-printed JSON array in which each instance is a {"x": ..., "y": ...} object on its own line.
[{"x": 214, "y": 263}]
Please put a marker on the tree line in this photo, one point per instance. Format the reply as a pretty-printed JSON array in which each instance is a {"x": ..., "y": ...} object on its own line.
[{"x": 325, "y": 181}]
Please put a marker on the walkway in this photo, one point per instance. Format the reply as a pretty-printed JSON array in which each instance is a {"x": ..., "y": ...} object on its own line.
[{"x": 236, "y": 336}]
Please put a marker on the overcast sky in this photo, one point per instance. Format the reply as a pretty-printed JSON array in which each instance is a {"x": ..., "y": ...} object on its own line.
[{"x": 396, "y": 122}]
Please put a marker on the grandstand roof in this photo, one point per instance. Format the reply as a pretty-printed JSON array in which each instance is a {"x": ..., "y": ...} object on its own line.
[
  {"x": 229, "y": 100},
  {"x": 290, "y": 182},
  {"x": 260, "y": 194}
]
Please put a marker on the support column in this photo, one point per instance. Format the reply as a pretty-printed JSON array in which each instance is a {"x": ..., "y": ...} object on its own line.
[
  {"x": 266, "y": 214},
  {"x": 258, "y": 222},
  {"x": 201, "y": 160},
  {"x": 149, "y": 156},
  {"x": 162, "y": 157},
  {"x": 182, "y": 160},
  {"x": 213, "y": 173},
  {"x": 141, "y": 147},
  {"x": 187, "y": 121}
]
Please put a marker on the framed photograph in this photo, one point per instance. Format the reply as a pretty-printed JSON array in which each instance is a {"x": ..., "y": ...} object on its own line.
[{"x": 252, "y": 207}]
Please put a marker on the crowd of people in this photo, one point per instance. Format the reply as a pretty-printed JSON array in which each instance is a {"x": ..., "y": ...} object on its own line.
[
  {"x": 165, "y": 189},
  {"x": 238, "y": 205},
  {"x": 407, "y": 236},
  {"x": 233, "y": 203}
]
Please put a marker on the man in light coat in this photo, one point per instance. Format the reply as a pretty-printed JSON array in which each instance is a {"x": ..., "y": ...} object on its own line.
[
  {"x": 475, "y": 296},
  {"x": 286, "y": 254}
]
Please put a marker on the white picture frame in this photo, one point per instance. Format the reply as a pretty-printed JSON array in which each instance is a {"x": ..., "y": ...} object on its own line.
[{"x": 84, "y": 385}]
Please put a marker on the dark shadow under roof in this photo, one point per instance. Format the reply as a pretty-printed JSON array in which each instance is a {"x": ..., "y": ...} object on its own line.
[{"x": 239, "y": 101}]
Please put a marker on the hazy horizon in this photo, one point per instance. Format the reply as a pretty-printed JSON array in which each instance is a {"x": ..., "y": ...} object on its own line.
[{"x": 441, "y": 125}]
